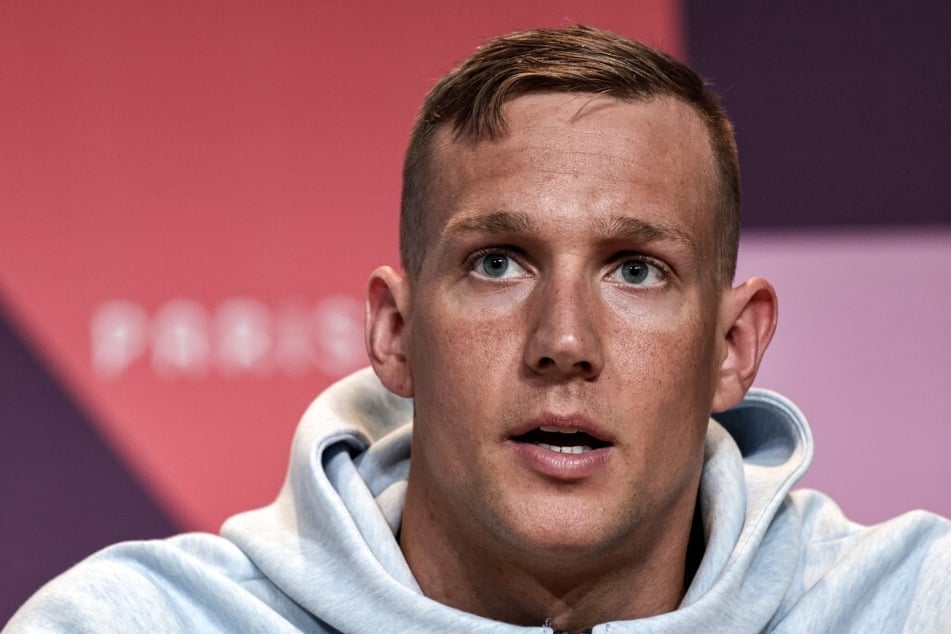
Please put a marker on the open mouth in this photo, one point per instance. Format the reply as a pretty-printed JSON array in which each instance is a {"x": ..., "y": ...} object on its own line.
[{"x": 562, "y": 440}]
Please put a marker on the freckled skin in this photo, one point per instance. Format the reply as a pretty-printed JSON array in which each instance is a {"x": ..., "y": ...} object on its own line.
[
  {"x": 471, "y": 378},
  {"x": 562, "y": 332}
]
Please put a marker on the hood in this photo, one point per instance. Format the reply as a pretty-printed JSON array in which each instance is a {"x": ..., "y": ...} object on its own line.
[{"x": 328, "y": 541}]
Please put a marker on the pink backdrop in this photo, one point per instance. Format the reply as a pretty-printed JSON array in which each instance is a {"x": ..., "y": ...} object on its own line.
[
  {"x": 193, "y": 196},
  {"x": 863, "y": 347}
]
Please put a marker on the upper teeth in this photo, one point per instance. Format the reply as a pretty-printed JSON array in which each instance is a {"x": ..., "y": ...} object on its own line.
[
  {"x": 560, "y": 449},
  {"x": 559, "y": 430}
]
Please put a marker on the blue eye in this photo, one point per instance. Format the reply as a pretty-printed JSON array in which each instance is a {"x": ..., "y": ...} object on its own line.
[
  {"x": 635, "y": 271},
  {"x": 497, "y": 265},
  {"x": 494, "y": 264},
  {"x": 639, "y": 272}
]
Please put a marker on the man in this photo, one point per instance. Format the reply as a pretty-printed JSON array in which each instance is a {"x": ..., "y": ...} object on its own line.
[{"x": 565, "y": 325}]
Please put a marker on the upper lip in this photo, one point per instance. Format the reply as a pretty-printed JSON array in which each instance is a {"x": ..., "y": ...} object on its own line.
[{"x": 574, "y": 422}]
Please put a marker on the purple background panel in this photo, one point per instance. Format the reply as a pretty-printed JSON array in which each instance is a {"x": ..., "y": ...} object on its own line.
[
  {"x": 841, "y": 109},
  {"x": 65, "y": 493}
]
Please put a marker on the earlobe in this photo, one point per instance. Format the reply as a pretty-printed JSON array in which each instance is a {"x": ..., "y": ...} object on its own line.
[
  {"x": 387, "y": 303},
  {"x": 748, "y": 315}
]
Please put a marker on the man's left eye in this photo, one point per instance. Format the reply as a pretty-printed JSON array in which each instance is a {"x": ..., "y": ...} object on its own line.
[{"x": 638, "y": 272}]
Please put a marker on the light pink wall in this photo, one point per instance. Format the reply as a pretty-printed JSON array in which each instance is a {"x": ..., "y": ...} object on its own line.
[{"x": 864, "y": 348}]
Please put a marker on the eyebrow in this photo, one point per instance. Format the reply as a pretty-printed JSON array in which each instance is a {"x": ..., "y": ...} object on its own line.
[
  {"x": 494, "y": 223},
  {"x": 627, "y": 228},
  {"x": 636, "y": 230},
  {"x": 622, "y": 228}
]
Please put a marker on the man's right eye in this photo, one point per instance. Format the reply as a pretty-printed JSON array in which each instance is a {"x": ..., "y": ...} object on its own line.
[{"x": 498, "y": 266}]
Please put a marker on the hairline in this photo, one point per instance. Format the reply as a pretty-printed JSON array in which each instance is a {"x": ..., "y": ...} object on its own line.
[
  {"x": 478, "y": 117},
  {"x": 451, "y": 133}
]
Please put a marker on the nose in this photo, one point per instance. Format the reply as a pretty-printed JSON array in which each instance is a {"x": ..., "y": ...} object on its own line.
[{"x": 565, "y": 340}]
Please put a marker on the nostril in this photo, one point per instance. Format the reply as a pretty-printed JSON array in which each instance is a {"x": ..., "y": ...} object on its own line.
[{"x": 549, "y": 364}]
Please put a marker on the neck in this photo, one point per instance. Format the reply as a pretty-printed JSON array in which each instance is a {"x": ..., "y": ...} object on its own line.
[{"x": 569, "y": 591}]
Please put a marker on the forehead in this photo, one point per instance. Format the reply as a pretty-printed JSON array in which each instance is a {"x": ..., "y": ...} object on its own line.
[{"x": 582, "y": 156}]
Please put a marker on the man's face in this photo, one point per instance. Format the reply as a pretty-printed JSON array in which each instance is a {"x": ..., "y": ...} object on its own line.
[{"x": 561, "y": 337}]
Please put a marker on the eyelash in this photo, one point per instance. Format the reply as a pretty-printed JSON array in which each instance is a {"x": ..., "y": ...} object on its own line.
[
  {"x": 616, "y": 260},
  {"x": 651, "y": 275},
  {"x": 515, "y": 254},
  {"x": 627, "y": 256}
]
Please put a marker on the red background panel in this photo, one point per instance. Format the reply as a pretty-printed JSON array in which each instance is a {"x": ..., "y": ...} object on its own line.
[{"x": 181, "y": 156}]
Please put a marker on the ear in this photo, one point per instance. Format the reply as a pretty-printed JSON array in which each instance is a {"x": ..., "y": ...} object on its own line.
[
  {"x": 385, "y": 332},
  {"x": 748, "y": 315}
]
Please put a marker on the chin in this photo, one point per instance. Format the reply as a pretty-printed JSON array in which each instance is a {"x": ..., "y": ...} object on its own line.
[{"x": 558, "y": 531}]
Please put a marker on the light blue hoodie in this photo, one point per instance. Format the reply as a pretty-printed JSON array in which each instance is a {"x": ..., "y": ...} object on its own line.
[{"x": 323, "y": 556}]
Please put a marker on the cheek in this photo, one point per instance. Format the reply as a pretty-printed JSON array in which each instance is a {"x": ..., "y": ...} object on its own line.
[
  {"x": 462, "y": 358},
  {"x": 667, "y": 340},
  {"x": 473, "y": 330},
  {"x": 665, "y": 363},
  {"x": 463, "y": 387},
  {"x": 471, "y": 348},
  {"x": 667, "y": 412}
]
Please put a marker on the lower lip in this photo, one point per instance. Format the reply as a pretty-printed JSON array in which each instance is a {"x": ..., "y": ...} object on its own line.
[{"x": 561, "y": 466}]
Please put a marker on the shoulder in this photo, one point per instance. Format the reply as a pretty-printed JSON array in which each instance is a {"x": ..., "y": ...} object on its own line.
[
  {"x": 892, "y": 575},
  {"x": 913, "y": 534},
  {"x": 192, "y": 582}
]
